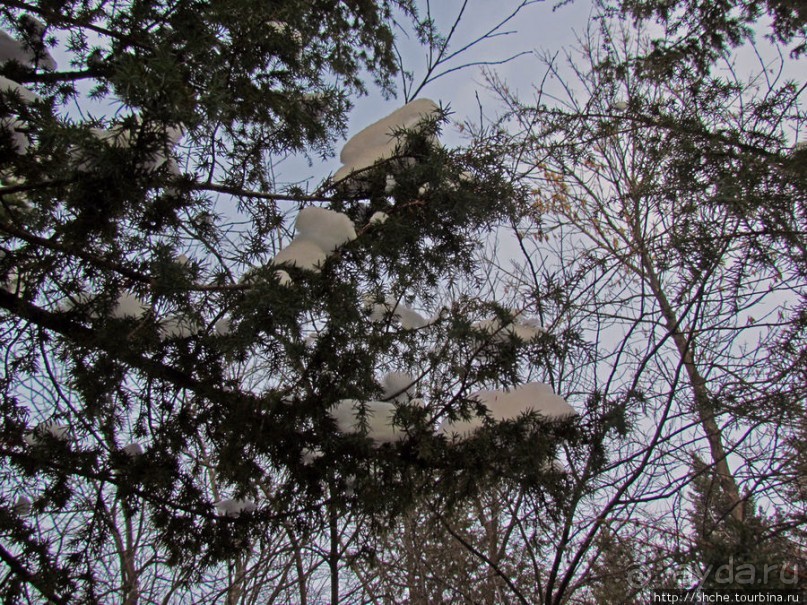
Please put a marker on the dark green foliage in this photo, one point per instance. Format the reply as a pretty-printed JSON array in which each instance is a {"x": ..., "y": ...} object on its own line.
[
  {"x": 129, "y": 236},
  {"x": 733, "y": 555},
  {"x": 702, "y": 31}
]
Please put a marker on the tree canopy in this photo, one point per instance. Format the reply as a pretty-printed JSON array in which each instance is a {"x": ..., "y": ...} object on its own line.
[{"x": 222, "y": 386}]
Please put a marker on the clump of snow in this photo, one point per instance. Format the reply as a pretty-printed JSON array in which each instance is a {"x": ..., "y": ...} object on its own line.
[
  {"x": 533, "y": 396},
  {"x": 33, "y": 25},
  {"x": 344, "y": 413},
  {"x": 22, "y": 506},
  {"x": 309, "y": 456},
  {"x": 505, "y": 405},
  {"x": 462, "y": 429},
  {"x": 390, "y": 184},
  {"x": 13, "y": 283},
  {"x": 534, "y": 324},
  {"x": 10, "y": 87},
  {"x": 620, "y": 106},
  {"x": 398, "y": 387},
  {"x": 326, "y": 228},
  {"x": 303, "y": 254},
  {"x": 234, "y": 507},
  {"x": 15, "y": 129},
  {"x": 525, "y": 330},
  {"x": 133, "y": 450},
  {"x": 223, "y": 326},
  {"x": 283, "y": 278},
  {"x": 378, "y": 312},
  {"x": 175, "y": 326},
  {"x": 53, "y": 428},
  {"x": 18, "y": 51},
  {"x": 408, "y": 319},
  {"x": 73, "y": 301},
  {"x": 123, "y": 137},
  {"x": 281, "y": 27},
  {"x": 129, "y": 306},
  {"x": 378, "y": 218},
  {"x": 554, "y": 466},
  {"x": 379, "y": 417},
  {"x": 319, "y": 232},
  {"x": 378, "y": 142}
]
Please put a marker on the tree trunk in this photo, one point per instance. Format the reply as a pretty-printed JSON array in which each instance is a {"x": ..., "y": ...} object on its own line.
[
  {"x": 131, "y": 588},
  {"x": 333, "y": 554},
  {"x": 702, "y": 400}
]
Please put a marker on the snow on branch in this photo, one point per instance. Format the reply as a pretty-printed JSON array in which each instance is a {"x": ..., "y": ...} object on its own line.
[
  {"x": 379, "y": 141},
  {"x": 504, "y": 405}
]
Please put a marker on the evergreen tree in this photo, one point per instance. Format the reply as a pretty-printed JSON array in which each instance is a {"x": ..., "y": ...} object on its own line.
[
  {"x": 696, "y": 34},
  {"x": 616, "y": 561},
  {"x": 206, "y": 371},
  {"x": 750, "y": 555}
]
